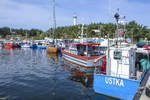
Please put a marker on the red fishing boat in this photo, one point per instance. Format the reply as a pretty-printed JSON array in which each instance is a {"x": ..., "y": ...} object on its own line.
[
  {"x": 84, "y": 57},
  {"x": 10, "y": 45}
]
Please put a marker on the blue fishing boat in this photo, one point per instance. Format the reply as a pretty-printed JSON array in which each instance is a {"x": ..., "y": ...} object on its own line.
[
  {"x": 123, "y": 74},
  {"x": 125, "y": 70},
  {"x": 115, "y": 86},
  {"x": 33, "y": 46},
  {"x": 41, "y": 46}
]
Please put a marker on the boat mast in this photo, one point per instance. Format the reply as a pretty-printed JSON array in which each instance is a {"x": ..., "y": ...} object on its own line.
[
  {"x": 117, "y": 17},
  {"x": 54, "y": 22},
  {"x": 26, "y": 35},
  {"x": 108, "y": 68}
]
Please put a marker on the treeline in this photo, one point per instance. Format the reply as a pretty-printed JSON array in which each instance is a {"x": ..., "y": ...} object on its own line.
[
  {"x": 133, "y": 30},
  {"x": 33, "y": 33}
]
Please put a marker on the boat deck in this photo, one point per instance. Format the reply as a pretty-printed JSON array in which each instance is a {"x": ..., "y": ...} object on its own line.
[{"x": 142, "y": 50}]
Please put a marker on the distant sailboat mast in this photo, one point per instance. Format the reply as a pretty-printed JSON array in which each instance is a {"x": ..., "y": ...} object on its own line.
[
  {"x": 54, "y": 22},
  {"x": 53, "y": 48}
]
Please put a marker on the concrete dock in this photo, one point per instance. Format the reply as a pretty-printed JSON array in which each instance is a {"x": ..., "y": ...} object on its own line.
[{"x": 141, "y": 94}]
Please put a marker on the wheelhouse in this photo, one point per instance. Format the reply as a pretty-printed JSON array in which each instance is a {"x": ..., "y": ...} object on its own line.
[{"x": 87, "y": 50}]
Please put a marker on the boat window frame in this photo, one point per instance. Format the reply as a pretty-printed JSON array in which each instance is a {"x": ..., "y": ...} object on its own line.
[{"x": 117, "y": 56}]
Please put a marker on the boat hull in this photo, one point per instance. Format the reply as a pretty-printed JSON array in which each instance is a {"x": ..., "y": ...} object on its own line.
[
  {"x": 41, "y": 46},
  {"x": 25, "y": 46},
  {"x": 81, "y": 63},
  {"x": 10, "y": 45},
  {"x": 33, "y": 46},
  {"x": 51, "y": 50},
  {"x": 88, "y": 70},
  {"x": 115, "y": 87}
]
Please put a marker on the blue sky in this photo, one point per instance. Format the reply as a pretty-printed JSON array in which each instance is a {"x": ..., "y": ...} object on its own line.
[{"x": 38, "y": 13}]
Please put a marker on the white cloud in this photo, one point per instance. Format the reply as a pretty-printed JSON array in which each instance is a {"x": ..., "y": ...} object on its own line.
[
  {"x": 15, "y": 14},
  {"x": 30, "y": 15}
]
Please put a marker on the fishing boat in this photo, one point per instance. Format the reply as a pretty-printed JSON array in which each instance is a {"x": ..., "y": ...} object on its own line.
[
  {"x": 123, "y": 75},
  {"x": 41, "y": 46},
  {"x": 33, "y": 45},
  {"x": 51, "y": 49},
  {"x": 25, "y": 45},
  {"x": 82, "y": 55},
  {"x": 10, "y": 45},
  {"x": 125, "y": 70}
]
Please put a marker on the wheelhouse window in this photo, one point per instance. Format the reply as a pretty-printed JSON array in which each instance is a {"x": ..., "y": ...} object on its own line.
[
  {"x": 81, "y": 49},
  {"x": 117, "y": 54},
  {"x": 73, "y": 47},
  {"x": 94, "y": 50}
]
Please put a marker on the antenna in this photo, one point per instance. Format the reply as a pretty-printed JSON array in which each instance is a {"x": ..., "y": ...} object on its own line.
[{"x": 117, "y": 17}]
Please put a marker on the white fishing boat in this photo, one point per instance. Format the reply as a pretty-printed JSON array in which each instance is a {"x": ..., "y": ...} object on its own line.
[{"x": 26, "y": 45}]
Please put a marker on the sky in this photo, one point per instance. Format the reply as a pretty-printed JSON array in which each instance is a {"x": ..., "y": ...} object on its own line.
[{"x": 29, "y": 14}]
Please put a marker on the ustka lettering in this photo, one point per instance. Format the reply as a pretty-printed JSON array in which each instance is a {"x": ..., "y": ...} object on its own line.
[{"x": 114, "y": 81}]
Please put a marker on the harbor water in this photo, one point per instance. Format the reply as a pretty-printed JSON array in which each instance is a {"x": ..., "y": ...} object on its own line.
[{"x": 32, "y": 74}]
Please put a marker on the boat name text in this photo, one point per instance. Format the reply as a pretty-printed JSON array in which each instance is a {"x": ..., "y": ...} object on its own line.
[{"x": 114, "y": 81}]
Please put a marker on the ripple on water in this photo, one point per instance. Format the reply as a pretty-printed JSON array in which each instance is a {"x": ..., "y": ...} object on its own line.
[{"x": 30, "y": 74}]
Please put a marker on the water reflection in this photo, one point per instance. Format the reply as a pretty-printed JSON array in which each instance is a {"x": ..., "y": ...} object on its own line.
[
  {"x": 79, "y": 76},
  {"x": 84, "y": 78},
  {"x": 52, "y": 55},
  {"x": 32, "y": 74}
]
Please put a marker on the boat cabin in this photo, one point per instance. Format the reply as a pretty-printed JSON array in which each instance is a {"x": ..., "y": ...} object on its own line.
[
  {"x": 87, "y": 50},
  {"x": 126, "y": 63}
]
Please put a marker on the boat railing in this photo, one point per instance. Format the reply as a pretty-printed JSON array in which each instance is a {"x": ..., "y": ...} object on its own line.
[
  {"x": 98, "y": 71},
  {"x": 131, "y": 76},
  {"x": 99, "y": 58}
]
